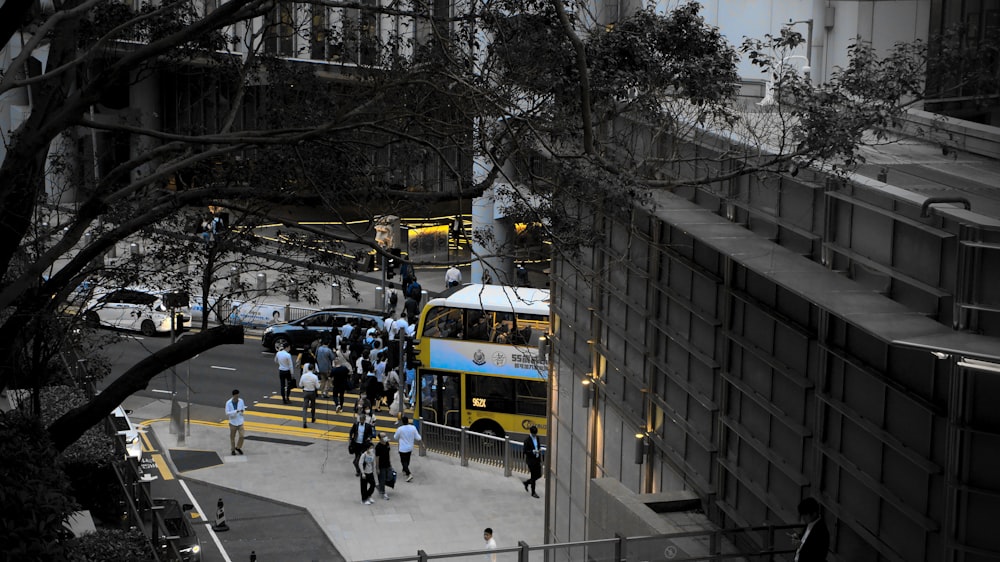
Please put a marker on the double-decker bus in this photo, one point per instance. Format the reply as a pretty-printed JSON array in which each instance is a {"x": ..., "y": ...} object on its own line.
[{"x": 479, "y": 364}]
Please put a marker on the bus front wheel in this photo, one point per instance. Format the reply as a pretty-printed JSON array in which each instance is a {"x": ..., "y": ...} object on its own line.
[{"x": 488, "y": 427}]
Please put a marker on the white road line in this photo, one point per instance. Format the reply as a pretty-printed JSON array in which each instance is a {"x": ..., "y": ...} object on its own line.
[
  {"x": 208, "y": 523},
  {"x": 223, "y": 368}
]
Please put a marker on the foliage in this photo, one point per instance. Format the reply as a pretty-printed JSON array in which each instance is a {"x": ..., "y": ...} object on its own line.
[
  {"x": 34, "y": 491},
  {"x": 110, "y": 545},
  {"x": 554, "y": 109}
]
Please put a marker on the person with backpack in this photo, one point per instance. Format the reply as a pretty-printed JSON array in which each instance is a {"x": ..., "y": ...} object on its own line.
[{"x": 391, "y": 300}]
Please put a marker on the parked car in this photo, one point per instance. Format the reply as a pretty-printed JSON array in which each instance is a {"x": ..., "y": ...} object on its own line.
[
  {"x": 138, "y": 309},
  {"x": 177, "y": 524},
  {"x": 298, "y": 334},
  {"x": 124, "y": 427}
]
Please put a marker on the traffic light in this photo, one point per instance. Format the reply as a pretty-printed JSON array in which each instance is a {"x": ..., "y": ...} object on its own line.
[{"x": 392, "y": 263}]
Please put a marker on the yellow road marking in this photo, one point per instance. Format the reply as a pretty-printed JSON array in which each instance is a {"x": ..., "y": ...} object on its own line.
[
  {"x": 147, "y": 445},
  {"x": 161, "y": 464}
]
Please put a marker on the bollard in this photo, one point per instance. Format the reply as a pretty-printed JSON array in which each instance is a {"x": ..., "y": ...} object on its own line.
[
  {"x": 293, "y": 291},
  {"x": 335, "y": 297},
  {"x": 262, "y": 283},
  {"x": 133, "y": 249},
  {"x": 220, "y": 518},
  {"x": 379, "y": 299}
]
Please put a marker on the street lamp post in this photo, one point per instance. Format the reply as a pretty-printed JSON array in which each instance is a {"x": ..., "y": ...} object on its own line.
[{"x": 807, "y": 70}]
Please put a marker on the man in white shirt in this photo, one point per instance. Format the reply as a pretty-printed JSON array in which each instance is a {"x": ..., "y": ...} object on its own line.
[
  {"x": 452, "y": 277},
  {"x": 491, "y": 544},
  {"x": 285, "y": 364},
  {"x": 309, "y": 383},
  {"x": 399, "y": 326},
  {"x": 234, "y": 411},
  {"x": 345, "y": 330},
  {"x": 406, "y": 435}
]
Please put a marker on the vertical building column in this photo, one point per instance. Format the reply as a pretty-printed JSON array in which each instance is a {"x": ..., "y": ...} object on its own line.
[{"x": 486, "y": 225}]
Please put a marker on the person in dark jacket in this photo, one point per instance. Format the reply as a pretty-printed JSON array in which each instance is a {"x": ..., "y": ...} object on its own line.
[
  {"x": 533, "y": 457},
  {"x": 360, "y": 438},
  {"x": 815, "y": 540},
  {"x": 383, "y": 464}
]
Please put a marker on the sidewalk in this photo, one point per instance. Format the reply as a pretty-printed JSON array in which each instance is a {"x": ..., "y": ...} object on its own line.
[{"x": 444, "y": 509}]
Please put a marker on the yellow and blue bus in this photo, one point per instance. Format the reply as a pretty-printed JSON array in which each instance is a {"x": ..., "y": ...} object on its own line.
[{"x": 479, "y": 361}]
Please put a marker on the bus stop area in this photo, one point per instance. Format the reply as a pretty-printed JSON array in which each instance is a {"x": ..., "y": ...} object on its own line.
[{"x": 443, "y": 509}]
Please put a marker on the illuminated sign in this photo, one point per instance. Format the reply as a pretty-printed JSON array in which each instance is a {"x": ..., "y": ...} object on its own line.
[{"x": 486, "y": 358}]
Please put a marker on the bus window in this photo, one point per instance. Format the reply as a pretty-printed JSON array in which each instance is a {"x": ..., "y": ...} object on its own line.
[
  {"x": 442, "y": 322},
  {"x": 490, "y": 393},
  {"x": 531, "y": 398}
]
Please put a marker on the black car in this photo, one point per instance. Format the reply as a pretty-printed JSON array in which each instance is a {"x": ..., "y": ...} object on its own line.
[
  {"x": 178, "y": 528},
  {"x": 298, "y": 334}
]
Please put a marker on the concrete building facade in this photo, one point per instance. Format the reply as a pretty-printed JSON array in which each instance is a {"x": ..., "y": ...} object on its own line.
[{"x": 768, "y": 339}]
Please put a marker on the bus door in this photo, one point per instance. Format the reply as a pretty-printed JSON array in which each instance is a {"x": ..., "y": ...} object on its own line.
[{"x": 440, "y": 397}]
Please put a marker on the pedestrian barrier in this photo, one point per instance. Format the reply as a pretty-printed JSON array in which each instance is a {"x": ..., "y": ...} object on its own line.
[
  {"x": 765, "y": 543},
  {"x": 501, "y": 452}
]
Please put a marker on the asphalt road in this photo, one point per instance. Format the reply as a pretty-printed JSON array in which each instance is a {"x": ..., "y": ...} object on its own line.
[{"x": 207, "y": 379}]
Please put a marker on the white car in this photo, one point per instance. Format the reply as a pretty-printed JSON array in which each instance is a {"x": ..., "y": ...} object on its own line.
[
  {"x": 136, "y": 309},
  {"x": 123, "y": 426}
]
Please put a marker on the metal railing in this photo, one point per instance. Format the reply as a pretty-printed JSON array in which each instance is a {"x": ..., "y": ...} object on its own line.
[
  {"x": 500, "y": 452},
  {"x": 765, "y": 543}
]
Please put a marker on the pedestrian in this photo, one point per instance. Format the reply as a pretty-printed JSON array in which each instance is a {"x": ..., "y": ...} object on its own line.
[
  {"x": 368, "y": 474},
  {"x": 340, "y": 377},
  {"x": 325, "y": 360},
  {"x": 415, "y": 291},
  {"x": 206, "y": 229},
  {"x": 346, "y": 330},
  {"x": 391, "y": 388},
  {"x": 532, "y": 456},
  {"x": 359, "y": 437},
  {"x": 406, "y": 435},
  {"x": 452, "y": 277},
  {"x": 398, "y": 328},
  {"x": 391, "y": 300},
  {"x": 815, "y": 540},
  {"x": 373, "y": 386},
  {"x": 306, "y": 356},
  {"x": 285, "y": 363},
  {"x": 411, "y": 307},
  {"x": 383, "y": 463},
  {"x": 490, "y": 544},
  {"x": 309, "y": 383},
  {"x": 487, "y": 277},
  {"x": 522, "y": 276},
  {"x": 234, "y": 411}
]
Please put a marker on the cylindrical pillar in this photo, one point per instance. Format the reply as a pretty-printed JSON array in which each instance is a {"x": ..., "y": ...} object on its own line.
[
  {"x": 262, "y": 283},
  {"x": 379, "y": 299},
  {"x": 133, "y": 249},
  {"x": 498, "y": 231},
  {"x": 293, "y": 291},
  {"x": 335, "y": 297},
  {"x": 234, "y": 279}
]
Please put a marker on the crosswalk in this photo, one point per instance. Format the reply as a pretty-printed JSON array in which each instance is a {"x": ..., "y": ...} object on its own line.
[{"x": 271, "y": 416}]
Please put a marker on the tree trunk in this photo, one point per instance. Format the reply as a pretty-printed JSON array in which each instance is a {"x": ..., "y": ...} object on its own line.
[{"x": 74, "y": 423}]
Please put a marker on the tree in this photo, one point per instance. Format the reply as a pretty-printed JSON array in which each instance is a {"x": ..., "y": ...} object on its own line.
[{"x": 543, "y": 98}]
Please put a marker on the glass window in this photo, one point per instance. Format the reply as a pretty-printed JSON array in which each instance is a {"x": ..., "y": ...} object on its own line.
[{"x": 443, "y": 322}]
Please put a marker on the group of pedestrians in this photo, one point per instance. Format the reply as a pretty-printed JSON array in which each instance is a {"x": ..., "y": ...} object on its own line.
[{"x": 372, "y": 461}]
